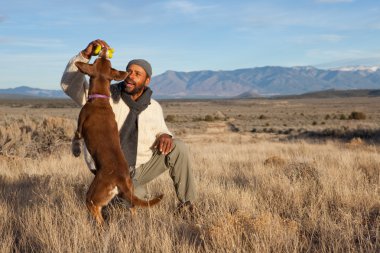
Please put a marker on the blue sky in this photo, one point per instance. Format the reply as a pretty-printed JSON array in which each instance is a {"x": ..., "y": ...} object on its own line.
[{"x": 37, "y": 38}]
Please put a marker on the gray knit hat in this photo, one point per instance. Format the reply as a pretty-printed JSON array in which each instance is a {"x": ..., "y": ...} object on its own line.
[{"x": 142, "y": 63}]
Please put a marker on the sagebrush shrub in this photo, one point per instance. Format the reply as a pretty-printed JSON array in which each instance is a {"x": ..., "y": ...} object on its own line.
[
  {"x": 209, "y": 118},
  {"x": 357, "y": 116},
  {"x": 170, "y": 118}
]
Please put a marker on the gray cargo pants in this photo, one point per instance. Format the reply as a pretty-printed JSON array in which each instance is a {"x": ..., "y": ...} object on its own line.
[{"x": 178, "y": 164}]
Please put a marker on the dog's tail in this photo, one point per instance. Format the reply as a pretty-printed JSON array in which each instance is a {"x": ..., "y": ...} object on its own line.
[
  {"x": 127, "y": 193},
  {"x": 135, "y": 201}
]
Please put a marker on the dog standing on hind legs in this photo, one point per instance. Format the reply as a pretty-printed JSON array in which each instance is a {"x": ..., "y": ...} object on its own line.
[{"x": 98, "y": 128}]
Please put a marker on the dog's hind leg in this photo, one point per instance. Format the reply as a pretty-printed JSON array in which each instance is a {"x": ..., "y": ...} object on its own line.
[
  {"x": 99, "y": 195},
  {"x": 96, "y": 212},
  {"x": 133, "y": 211},
  {"x": 131, "y": 207}
]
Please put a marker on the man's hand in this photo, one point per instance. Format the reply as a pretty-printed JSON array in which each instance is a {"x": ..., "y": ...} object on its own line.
[
  {"x": 90, "y": 49},
  {"x": 164, "y": 143}
]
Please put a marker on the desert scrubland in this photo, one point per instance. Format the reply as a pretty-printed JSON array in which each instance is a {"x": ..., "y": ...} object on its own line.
[{"x": 273, "y": 176}]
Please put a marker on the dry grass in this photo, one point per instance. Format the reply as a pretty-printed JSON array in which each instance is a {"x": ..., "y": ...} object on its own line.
[{"x": 256, "y": 194}]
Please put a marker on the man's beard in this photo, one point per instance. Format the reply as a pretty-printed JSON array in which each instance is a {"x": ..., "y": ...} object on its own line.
[{"x": 137, "y": 89}]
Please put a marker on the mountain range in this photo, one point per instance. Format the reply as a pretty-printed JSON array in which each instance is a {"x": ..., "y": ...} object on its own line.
[
  {"x": 244, "y": 83},
  {"x": 28, "y": 92},
  {"x": 263, "y": 81}
]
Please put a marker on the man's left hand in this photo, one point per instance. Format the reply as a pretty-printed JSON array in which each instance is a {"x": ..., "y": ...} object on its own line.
[{"x": 164, "y": 143}]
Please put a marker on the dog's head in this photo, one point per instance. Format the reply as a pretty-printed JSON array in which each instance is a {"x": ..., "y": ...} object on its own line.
[{"x": 101, "y": 73}]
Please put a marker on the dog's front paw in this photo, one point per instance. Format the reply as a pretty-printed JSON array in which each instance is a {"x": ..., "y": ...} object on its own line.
[{"x": 75, "y": 148}]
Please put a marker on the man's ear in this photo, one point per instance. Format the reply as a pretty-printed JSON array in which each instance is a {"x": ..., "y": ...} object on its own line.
[
  {"x": 85, "y": 68},
  {"x": 118, "y": 75},
  {"x": 147, "y": 81}
]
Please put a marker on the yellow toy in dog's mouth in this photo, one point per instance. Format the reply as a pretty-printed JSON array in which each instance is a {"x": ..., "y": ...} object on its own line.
[{"x": 109, "y": 51}]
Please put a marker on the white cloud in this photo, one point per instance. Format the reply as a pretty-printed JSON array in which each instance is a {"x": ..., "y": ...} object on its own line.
[
  {"x": 335, "y": 55},
  {"x": 330, "y": 38},
  {"x": 111, "y": 10},
  {"x": 185, "y": 6},
  {"x": 119, "y": 13},
  {"x": 31, "y": 42},
  {"x": 267, "y": 15}
]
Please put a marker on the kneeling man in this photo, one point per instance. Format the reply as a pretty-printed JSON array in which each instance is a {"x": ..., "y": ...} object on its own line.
[{"x": 146, "y": 141}]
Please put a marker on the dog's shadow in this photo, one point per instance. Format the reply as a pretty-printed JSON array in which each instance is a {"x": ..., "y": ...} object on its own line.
[
  {"x": 29, "y": 191},
  {"x": 26, "y": 191}
]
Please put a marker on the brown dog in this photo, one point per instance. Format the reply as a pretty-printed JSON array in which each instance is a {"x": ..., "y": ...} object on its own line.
[{"x": 97, "y": 125}]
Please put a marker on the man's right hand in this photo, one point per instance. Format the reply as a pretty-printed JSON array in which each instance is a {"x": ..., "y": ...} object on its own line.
[{"x": 90, "y": 49}]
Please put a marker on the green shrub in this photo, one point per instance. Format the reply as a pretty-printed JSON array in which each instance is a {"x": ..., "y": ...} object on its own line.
[
  {"x": 170, "y": 118},
  {"x": 209, "y": 118},
  {"x": 288, "y": 131},
  {"x": 197, "y": 118},
  {"x": 262, "y": 116},
  {"x": 357, "y": 116}
]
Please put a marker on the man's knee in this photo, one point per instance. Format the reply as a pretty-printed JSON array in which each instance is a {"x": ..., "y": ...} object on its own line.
[
  {"x": 179, "y": 155},
  {"x": 179, "y": 147}
]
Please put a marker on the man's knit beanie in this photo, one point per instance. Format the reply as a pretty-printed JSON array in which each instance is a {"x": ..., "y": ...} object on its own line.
[{"x": 142, "y": 63}]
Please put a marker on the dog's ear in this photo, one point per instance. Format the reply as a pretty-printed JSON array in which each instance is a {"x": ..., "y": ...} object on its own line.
[
  {"x": 118, "y": 75},
  {"x": 85, "y": 68}
]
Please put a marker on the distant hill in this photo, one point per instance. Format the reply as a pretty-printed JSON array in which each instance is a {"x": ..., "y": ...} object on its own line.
[
  {"x": 17, "y": 97},
  {"x": 332, "y": 93},
  {"x": 247, "y": 83},
  {"x": 248, "y": 94},
  {"x": 28, "y": 92}
]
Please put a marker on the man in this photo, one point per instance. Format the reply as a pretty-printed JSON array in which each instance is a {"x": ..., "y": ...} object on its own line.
[{"x": 146, "y": 141}]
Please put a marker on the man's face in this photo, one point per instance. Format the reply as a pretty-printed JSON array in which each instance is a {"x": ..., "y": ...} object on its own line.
[{"x": 136, "y": 80}]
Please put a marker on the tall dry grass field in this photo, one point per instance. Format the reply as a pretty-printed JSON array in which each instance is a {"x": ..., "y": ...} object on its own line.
[{"x": 311, "y": 190}]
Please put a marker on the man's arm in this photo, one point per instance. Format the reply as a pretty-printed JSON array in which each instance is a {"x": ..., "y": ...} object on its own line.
[
  {"x": 164, "y": 138},
  {"x": 73, "y": 82}
]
